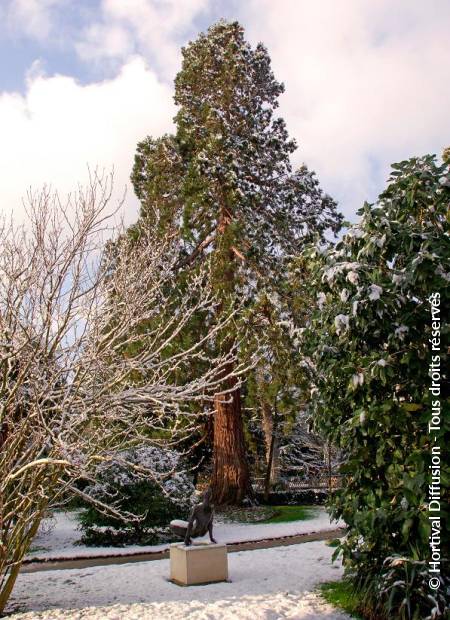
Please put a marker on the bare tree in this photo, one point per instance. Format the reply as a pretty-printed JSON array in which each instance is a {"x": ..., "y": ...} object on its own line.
[
  {"x": 306, "y": 456},
  {"x": 87, "y": 362}
]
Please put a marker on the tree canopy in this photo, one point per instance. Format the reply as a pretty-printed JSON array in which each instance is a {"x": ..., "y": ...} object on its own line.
[{"x": 225, "y": 185}]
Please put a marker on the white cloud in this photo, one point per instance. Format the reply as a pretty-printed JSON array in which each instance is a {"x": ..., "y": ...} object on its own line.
[
  {"x": 33, "y": 18},
  {"x": 103, "y": 41},
  {"x": 59, "y": 127},
  {"x": 365, "y": 84},
  {"x": 152, "y": 28}
]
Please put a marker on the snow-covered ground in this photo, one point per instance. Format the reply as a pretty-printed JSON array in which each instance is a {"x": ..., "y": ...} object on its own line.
[
  {"x": 266, "y": 584},
  {"x": 59, "y": 541}
]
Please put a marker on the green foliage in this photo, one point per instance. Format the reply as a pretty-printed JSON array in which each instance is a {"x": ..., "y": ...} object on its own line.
[
  {"x": 342, "y": 594},
  {"x": 333, "y": 542},
  {"x": 224, "y": 181},
  {"x": 268, "y": 514},
  {"x": 370, "y": 344},
  {"x": 240, "y": 514},
  {"x": 295, "y": 497},
  {"x": 277, "y": 383},
  {"x": 224, "y": 186},
  {"x": 142, "y": 498},
  {"x": 239, "y": 189},
  {"x": 401, "y": 590},
  {"x": 146, "y": 504},
  {"x": 156, "y": 179},
  {"x": 404, "y": 589},
  {"x": 286, "y": 514}
]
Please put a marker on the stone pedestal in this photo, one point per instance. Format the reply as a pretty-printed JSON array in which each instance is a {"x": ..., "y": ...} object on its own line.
[{"x": 199, "y": 563}]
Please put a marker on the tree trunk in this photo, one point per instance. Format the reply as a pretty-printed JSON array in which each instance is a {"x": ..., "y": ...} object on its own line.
[
  {"x": 271, "y": 441},
  {"x": 329, "y": 468},
  {"x": 267, "y": 482},
  {"x": 275, "y": 461},
  {"x": 231, "y": 478},
  {"x": 270, "y": 424}
]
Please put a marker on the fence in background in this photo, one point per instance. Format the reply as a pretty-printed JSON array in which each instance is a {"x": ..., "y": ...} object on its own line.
[{"x": 302, "y": 484}]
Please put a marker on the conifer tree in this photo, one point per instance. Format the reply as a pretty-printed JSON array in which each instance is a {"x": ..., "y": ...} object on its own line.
[{"x": 225, "y": 181}]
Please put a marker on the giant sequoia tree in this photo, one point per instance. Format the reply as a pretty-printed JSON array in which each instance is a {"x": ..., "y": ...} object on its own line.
[{"x": 225, "y": 183}]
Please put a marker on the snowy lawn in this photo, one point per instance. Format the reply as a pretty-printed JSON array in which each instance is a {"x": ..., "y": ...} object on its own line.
[
  {"x": 266, "y": 584},
  {"x": 60, "y": 541}
]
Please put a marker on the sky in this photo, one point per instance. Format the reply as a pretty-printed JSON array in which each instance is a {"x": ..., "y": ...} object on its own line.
[{"x": 82, "y": 81}]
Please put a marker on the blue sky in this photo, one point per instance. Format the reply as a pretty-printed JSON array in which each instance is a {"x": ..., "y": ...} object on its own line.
[{"x": 367, "y": 83}]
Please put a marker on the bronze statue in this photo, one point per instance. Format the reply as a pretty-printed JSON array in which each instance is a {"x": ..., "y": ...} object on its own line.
[{"x": 200, "y": 521}]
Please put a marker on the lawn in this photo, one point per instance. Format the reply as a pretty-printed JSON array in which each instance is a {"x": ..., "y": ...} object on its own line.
[
  {"x": 285, "y": 514},
  {"x": 268, "y": 514},
  {"x": 341, "y": 594}
]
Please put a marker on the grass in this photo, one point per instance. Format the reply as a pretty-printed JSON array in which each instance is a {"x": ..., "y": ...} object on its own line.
[
  {"x": 285, "y": 514},
  {"x": 37, "y": 549},
  {"x": 255, "y": 514},
  {"x": 267, "y": 514},
  {"x": 332, "y": 542},
  {"x": 341, "y": 595}
]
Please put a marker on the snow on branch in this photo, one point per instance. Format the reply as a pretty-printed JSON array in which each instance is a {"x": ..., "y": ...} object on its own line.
[{"x": 92, "y": 359}]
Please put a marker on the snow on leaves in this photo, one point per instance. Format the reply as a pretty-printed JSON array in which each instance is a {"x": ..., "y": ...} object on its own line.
[
  {"x": 229, "y": 162},
  {"x": 341, "y": 323},
  {"x": 369, "y": 343},
  {"x": 128, "y": 467},
  {"x": 375, "y": 292}
]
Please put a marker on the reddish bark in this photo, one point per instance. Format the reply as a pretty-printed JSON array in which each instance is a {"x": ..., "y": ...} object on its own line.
[{"x": 231, "y": 478}]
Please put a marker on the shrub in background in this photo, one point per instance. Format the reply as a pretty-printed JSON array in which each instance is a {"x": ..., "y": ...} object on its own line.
[{"x": 147, "y": 503}]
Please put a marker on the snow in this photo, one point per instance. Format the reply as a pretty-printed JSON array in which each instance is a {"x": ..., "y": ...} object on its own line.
[
  {"x": 353, "y": 277},
  {"x": 401, "y": 330},
  {"x": 344, "y": 295},
  {"x": 398, "y": 278},
  {"x": 264, "y": 584},
  {"x": 60, "y": 541},
  {"x": 375, "y": 292},
  {"x": 334, "y": 270},
  {"x": 321, "y": 299},
  {"x": 128, "y": 467},
  {"x": 357, "y": 379},
  {"x": 341, "y": 322},
  {"x": 356, "y": 232}
]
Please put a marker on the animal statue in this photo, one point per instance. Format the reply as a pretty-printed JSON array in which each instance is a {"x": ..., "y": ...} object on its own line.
[{"x": 200, "y": 521}]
